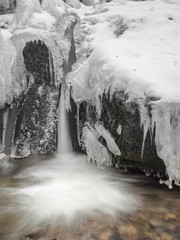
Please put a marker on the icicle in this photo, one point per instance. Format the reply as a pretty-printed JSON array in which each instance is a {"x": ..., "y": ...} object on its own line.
[
  {"x": 50, "y": 67},
  {"x": 77, "y": 124},
  {"x": 145, "y": 124},
  {"x": 5, "y": 119},
  {"x": 119, "y": 129},
  {"x": 98, "y": 106}
]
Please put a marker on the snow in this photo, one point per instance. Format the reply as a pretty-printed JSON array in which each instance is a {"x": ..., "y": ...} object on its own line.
[
  {"x": 146, "y": 57},
  {"x": 134, "y": 46}
]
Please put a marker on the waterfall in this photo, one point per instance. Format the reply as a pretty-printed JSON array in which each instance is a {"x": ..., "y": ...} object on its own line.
[{"x": 64, "y": 141}]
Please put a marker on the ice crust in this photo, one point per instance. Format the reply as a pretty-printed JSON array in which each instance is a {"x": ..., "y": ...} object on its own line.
[{"x": 7, "y": 56}]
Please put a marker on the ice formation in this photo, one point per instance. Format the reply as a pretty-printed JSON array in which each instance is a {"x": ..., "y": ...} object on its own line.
[
  {"x": 7, "y": 56},
  {"x": 112, "y": 146},
  {"x": 134, "y": 48},
  {"x": 46, "y": 23},
  {"x": 33, "y": 22},
  {"x": 166, "y": 118},
  {"x": 96, "y": 152}
]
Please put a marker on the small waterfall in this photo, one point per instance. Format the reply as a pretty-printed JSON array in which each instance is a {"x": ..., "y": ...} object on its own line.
[{"x": 64, "y": 141}]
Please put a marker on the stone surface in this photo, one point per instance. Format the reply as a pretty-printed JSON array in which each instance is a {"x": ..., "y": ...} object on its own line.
[{"x": 118, "y": 110}]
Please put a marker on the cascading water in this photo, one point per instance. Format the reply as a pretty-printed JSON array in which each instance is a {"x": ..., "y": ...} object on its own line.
[
  {"x": 62, "y": 191},
  {"x": 64, "y": 141}
]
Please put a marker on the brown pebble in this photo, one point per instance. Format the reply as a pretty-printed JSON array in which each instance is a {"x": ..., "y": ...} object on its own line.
[
  {"x": 170, "y": 217},
  {"x": 105, "y": 235},
  {"x": 148, "y": 235},
  {"x": 128, "y": 232},
  {"x": 166, "y": 236}
]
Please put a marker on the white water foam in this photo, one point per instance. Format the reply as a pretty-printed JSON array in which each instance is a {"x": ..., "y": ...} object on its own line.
[{"x": 65, "y": 190}]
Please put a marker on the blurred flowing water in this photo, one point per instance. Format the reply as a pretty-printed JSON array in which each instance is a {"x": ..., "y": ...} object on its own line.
[
  {"x": 64, "y": 197},
  {"x": 61, "y": 191}
]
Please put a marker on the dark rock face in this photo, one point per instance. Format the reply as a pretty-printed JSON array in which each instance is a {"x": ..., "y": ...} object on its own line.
[
  {"x": 37, "y": 62},
  {"x": 35, "y": 130},
  {"x": 116, "y": 111}
]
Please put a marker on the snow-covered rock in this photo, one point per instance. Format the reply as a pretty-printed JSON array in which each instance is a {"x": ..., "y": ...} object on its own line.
[
  {"x": 41, "y": 42},
  {"x": 131, "y": 48},
  {"x": 7, "y": 56}
]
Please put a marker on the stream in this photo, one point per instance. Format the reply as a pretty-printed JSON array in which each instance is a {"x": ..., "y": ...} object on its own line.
[{"x": 57, "y": 198}]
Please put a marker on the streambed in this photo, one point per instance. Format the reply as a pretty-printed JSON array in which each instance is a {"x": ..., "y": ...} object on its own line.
[{"x": 58, "y": 198}]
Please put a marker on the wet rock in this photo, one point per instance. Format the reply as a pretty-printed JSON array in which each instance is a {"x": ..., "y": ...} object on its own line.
[
  {"x": 170, "y": 217},
  {"x": 148, "y": 235},
  {"x": 115, "y": 236},
  {"x": 128, "y": 232},
  {"x": 166, "y": 236},
  {"x": 105, "y": 235}
]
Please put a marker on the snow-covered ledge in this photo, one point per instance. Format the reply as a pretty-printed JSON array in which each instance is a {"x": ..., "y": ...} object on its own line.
[{"x": 134, "y": 48}]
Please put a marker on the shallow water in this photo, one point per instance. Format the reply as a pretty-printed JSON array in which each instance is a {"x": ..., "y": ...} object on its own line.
[{"x": 67, "y": 198}]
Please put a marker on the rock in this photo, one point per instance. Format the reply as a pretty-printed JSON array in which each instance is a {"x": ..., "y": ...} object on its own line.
[
  {"x": 170, "y": 217},
  {"x": 166, "y": 236},
  {"x": 119, "y": 110},
  {"x": 115, "y": 236},
  {"x": 105, "y": 235},
  {"x": 128, "y": 232}
]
